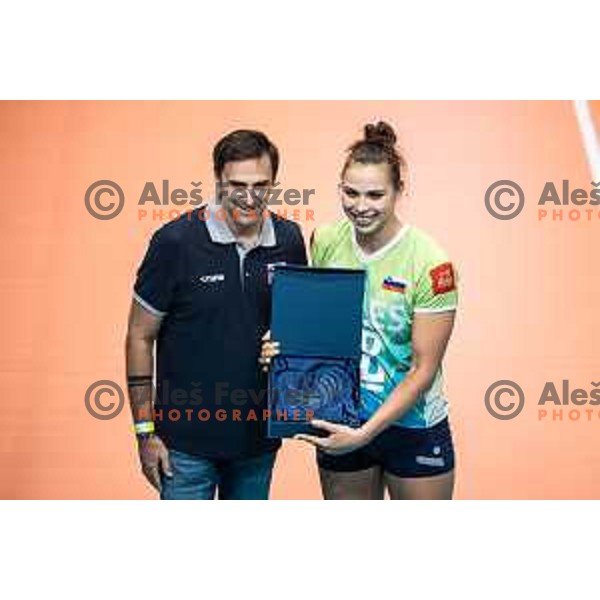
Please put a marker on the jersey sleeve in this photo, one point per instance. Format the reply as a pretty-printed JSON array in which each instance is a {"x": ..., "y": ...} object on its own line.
[
  {"x": 156, "y": 277},
  {"x": 317, "y": 249},
  {"x": 436, "y": 289}
]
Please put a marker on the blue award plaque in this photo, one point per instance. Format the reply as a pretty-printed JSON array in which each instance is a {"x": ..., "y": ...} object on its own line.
[{"x": 317, "y": 319}]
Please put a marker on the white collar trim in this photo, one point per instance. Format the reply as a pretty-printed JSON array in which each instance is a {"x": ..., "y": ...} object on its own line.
[{"x": 381, "y": 251}]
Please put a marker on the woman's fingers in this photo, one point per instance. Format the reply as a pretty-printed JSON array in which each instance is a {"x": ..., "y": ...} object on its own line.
[
  {"x": 327, "y": 426},
  {"x": 312, "y": 439}
]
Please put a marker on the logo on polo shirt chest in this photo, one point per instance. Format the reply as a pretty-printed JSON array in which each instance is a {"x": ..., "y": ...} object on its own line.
[{"x": 212, "y": 278}]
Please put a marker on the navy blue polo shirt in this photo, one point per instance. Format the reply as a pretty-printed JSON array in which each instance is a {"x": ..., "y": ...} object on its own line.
[{"x": 214, "y": 299}]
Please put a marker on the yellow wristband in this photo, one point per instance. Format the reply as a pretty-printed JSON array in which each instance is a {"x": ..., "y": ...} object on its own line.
[{"x": 143, "y": 427}]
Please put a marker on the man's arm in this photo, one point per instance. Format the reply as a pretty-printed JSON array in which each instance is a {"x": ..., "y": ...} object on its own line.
[
  {"x": 139, "y": 355},
  {"x": 141, "y": 334}
]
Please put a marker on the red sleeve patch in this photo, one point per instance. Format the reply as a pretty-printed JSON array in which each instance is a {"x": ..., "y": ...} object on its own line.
[{"x": 443, "y": 279}]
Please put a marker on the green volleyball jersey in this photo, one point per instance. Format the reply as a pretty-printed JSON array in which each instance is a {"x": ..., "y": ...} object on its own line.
[{"x": 410, "y": 274}]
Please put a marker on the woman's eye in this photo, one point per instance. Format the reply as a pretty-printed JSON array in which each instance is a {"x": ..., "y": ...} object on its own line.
[
  {"x": 350, "y": 192},
  {"x": 375, "y": 195}
]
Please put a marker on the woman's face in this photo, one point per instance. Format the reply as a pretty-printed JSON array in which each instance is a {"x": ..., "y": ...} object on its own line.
[{"x": 368, "y": 197}]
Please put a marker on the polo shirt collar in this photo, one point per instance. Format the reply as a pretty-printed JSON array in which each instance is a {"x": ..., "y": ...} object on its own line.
[{"x": 219, "y": 231}]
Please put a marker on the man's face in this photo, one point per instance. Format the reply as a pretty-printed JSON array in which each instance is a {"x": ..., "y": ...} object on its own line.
[{"x": 245, "y": 187}]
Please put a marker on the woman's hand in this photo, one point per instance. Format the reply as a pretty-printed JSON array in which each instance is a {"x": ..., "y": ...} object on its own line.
[
  {"x": 268, "y": 350},
  {"x": 342, "y": 439}
]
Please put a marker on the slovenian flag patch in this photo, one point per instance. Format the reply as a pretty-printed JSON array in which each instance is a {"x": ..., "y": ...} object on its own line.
[{"x": 394, "y": 284}]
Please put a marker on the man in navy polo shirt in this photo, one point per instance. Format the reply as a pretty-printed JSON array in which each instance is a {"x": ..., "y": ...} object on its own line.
[{"x": 202, "y": 295}]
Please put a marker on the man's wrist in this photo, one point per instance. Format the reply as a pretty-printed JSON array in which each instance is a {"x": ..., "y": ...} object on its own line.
[
  {"x": 144, "y": 437},
  {"x": 143, "y": 430}
]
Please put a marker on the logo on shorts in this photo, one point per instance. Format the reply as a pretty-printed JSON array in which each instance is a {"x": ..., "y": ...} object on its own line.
[
  {"x": 442, "y": 279},
  {"x": 430, "y": 461},
  {"x": 394, "y": 284}
]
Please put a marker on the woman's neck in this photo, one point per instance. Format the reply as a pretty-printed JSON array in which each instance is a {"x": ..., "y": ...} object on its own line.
[{"x": 374, "y": 242}]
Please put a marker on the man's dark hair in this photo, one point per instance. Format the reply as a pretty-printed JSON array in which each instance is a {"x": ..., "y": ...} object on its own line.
[{"x": 244, "y": 144}]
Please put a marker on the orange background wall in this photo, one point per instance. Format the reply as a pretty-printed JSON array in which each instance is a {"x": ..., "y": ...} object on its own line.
[{"x": 529, "y": 301}]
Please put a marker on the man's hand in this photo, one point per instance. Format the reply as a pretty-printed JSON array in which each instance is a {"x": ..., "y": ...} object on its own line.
[
  {"x": 154, "y": 458},
  {"x": 343, "y": 439},
  {"x": 268, "y": 350}
]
